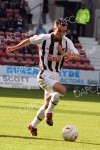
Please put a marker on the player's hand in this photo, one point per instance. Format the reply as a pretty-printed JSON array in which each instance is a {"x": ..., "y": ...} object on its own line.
[
  {"x": 78, "y": 57},
  {"x": 75, "y": 56},
  {"x": 59, "y": 48},
  {"x": 10, "y": 49}
]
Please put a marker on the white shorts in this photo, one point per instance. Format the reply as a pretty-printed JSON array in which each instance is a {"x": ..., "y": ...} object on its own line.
[{"x": 47, "y": 79}]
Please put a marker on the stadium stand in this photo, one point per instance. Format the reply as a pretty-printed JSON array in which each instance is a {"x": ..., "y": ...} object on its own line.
[
  {"x": 92, "y": 50},
  {"x": 83, "y": 64},
  {"x": 26, "y": 59},
  {"x": 87, "y": 62}
]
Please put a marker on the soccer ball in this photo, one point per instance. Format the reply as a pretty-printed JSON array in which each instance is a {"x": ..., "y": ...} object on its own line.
[{"x": 70, "y": 133}]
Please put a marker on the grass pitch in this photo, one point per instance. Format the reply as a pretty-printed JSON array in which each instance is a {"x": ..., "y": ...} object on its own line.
[{"x": 18, "y": 108}]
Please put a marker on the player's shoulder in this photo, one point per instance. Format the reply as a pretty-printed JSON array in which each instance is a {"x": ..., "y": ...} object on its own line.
[
  {"x": 40, "y": 38},
  {"x": 66, "y": 38},
  {"x": 44, "y": 36}
]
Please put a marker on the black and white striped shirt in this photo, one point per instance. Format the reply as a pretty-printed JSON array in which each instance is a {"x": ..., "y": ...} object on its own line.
[{"x": 49, "y": 57}]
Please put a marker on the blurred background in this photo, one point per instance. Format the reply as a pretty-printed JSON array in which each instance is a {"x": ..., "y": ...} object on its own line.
[{"x": 20, "y": 19}]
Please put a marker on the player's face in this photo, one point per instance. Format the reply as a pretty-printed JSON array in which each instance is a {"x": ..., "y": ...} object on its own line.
[{"x": 60, "y": 31}]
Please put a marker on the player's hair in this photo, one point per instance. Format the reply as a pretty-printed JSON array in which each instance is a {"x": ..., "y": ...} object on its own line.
[{"x": 61, "y": 21}]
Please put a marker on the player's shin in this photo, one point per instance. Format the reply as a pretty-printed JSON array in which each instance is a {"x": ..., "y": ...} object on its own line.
[
  {"x": 39, "y": 117},
  {"x": 54, "y": 101}
]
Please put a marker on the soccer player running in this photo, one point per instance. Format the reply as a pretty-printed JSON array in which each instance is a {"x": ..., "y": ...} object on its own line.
[{"x": 52, "y": 51}]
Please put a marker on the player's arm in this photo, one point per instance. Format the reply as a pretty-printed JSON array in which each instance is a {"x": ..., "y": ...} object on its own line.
[
  {"x": 18, "y": 46},
  {"x": 73, "y": 51},
  {"x": 36, "y": 39},
  {"x": 72, "y": 55}
]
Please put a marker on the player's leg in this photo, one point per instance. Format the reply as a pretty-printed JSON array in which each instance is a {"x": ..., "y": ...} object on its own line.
[
  {"x": 40, "y": 115},
  {"x": 58, "y": 91},
  {"x": 50, "y": 82}
]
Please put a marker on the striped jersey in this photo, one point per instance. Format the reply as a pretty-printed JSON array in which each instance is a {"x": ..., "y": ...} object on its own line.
[{"x": 50, "y": 58}]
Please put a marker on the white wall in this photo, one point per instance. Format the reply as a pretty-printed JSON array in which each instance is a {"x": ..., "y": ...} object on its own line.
[
  {"x": 36, "y": 11},
  {"x": 97, "y": 14},
  {"x": 54, "y": 11}
]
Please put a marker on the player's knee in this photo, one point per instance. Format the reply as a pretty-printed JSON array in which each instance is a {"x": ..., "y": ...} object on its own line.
[
  {"x": 56, "y": 97},
  {"x": 63, "y": 91},
  {"x": 46, "y": 104}
]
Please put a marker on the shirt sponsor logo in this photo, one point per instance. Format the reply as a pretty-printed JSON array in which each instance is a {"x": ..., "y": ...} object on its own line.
[{"x": 54, "y": 58}]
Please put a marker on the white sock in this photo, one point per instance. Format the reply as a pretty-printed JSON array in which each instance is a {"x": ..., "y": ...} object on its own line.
[
  {"x": 54, "y": 101},
  {"x": 39, "y": 117}
]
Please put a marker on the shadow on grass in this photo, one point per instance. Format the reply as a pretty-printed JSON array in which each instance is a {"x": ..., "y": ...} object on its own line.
[
  {"x": 79, "y": 112},
  {"x": 57, "y": 110},
  {"x": 24, "y": 137},
  {"x": 36, "y": 138},
  {"x": 20, "y": 108},
  {"x": 85, "y": 142},
  {"x": 39, "y": 94},
  {"x": 21, "y": 93}
]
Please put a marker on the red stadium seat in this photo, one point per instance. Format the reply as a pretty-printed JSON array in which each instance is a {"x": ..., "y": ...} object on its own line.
[
  {"x": 74, "y": 66},
  {"x": 82, "y": 53},
  {"x": 8, "y": 33},
  {"x": 27, "y": 56},
  {"x": 25, "y": 35},
  {"x": 12, "y": 43},
  {"x": 10, "y": 61},
  {"x": 2, "y": 57},
  {"x": 89, "y": 67},
  {"x": 5, "y": 62},
  {"x": 4, "y": 47},
  {"x": 35, "y": 57},
  {"x": 2, "y": 33},
  {"x": 1, "y": 48},
  {"x": 17, "y": 35},
  {"x": 67, "y": 65},
  {"x": 18, "y": 41},
  {"x": 9, "y": 12},
  {"x": 86, "y": 63},
  {"x": 2, "y": 54},
  {"x": 78, "y": 45},
  {"x": 11, "y": 55},
  {"x": 81, "y": 67},
  {"x": 19, "y": 56},
  {"x": 22, "y": 63},
  {"x": 85, "y": 60},
  {"x": 13, "y": 62},
  {"x": 30, "y": 63},
  {"x": 16, "y": 13},
  {"x": 36, "y": 62},
  {"x": 11, "y": 58},
  {"x": 1, "y": 62}
]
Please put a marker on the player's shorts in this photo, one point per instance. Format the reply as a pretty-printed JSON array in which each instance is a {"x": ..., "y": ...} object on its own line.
[{"x": 47, "y": 79}]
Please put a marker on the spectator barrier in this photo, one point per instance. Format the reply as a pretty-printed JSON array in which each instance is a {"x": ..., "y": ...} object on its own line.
[{"x": 25, "y": 77}]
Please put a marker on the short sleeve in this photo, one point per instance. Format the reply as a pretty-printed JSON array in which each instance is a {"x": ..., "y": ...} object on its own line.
[
  {"x": 37, "y": 39},
  {"x": 71, "y": 46}
]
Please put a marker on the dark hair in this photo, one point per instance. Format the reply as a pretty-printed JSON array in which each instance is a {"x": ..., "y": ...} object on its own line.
[{"x": 62, "y": 22}]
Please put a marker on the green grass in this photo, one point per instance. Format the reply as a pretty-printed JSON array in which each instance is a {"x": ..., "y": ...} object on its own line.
[{"x": 18, "y": 108}]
